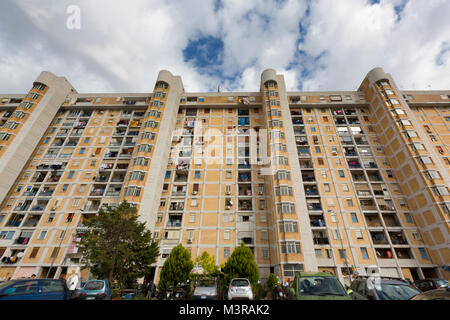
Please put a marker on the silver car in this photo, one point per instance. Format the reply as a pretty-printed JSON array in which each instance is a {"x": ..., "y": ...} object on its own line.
[
  {"x": 205, "y": 289},
  {"x": 240, "y": 288}
]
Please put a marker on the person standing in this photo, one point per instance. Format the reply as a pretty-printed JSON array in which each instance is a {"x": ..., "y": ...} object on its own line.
[{"x": 74, "y": 284}]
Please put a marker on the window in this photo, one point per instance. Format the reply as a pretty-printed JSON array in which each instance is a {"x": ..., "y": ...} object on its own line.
[
  {"x": 354, "y": 217},
  {"x": 34, "y": 252},
  {"x": 345, "y": 187},
  {"x": 6, "y": 235},
  {"x": 416, "y": 236},
  {"x": 318, "y": 253},
  {"x": 359, "y": 234},
  {"x": 71, "y": 173},
  {"x": 82, "y": 150},
  {"x": 337, "y": 234},
  {"x": 226, "y": 235},
  {"x": 364, "y": 253},
  {"x": 350, "y": 202},
  {"x": 341, "y": 173},
  {"x": 423, "y": 253},
  {"x": 292, "y": 247},
  {"x": 226, "y": 252},
  {"x": 168, "y": 174},
  {"x": 197, "y": 175},
  {"x": 342, "y": 253},
  {"x": 327, "y": 187}
]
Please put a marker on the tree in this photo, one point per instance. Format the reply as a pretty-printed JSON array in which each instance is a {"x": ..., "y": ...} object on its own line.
[
  {"x": 117, "y": 245},
  {"x": 208, "y": 264},
  {"x": 241, "y": 264},
  {"x": 176, "y": 268}
]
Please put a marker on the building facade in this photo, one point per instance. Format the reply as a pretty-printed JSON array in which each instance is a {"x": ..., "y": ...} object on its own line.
[{"x": 346, "y": 182}]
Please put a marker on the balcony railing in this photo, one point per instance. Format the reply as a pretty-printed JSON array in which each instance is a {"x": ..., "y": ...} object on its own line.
[{"x": 320, "y": 240}]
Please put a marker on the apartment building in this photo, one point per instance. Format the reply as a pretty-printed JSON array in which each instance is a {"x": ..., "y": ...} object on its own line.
[{"x": 346, "y": 182}]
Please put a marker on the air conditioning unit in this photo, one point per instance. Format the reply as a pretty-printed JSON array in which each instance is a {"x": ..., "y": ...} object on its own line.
[
  {"x": 189, "y": 241},
  {"x": 227, "y": 192},
  {"x": 260, "y": 163},
  {"x": 53, "y": 209},
  {"x": 227, "y": 207},
  {"x": 194, "y": 192},
  {"x": 334, "y": 153}
]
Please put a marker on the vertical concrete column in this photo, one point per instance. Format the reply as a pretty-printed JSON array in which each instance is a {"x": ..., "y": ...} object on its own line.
[
  {"x": 148, "y": 208},
  {"x": 27, "y": 139}
]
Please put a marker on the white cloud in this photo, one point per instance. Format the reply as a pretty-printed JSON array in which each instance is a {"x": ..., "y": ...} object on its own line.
[{"x": 122, "y": 46}]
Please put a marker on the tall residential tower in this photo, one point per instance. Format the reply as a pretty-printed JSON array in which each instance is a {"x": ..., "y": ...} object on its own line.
[{"x": 316, "y": 181}]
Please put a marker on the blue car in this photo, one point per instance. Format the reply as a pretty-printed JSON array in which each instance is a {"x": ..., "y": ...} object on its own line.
[
  {"x": 95, "y": 290},
  {"x": 34, "y": 289}
]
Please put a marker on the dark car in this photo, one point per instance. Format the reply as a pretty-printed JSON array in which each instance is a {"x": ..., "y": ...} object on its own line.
[
  {"x": 95, "y": 290},
  {"x": 383, "y": 289},
  {"x": 317, "y": 286},
  {"x": 34, "y": 289},
  {"x": 436, "y": 294},
  {"x": 431, "y": 284}
]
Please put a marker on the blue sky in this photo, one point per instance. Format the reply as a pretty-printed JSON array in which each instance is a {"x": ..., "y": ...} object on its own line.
[{"x": 316, "y": 44}]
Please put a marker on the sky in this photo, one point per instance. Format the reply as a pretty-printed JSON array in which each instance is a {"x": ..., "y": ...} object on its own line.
[{"x": 318, "y": 45}]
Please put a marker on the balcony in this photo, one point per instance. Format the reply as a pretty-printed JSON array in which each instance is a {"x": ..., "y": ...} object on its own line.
[
  {"x": 31, "y": 193},
  {"x": 390, "y": 220},
  {"x": 22, "y": 240},
  {"x": 245, "y": 176},
  {"x": 176, "y": 206},
  {"x": 54, "y": 177},
  {"x": 311, "y": 191},
  {"x": 97, "y": 192},
  {"x": 384, "y": 253},
  {"x": 306, "y": 164},
  {"x": 46, "y": 192},
  {"x": 39, "y": 177},
  {"x": 245, "y": 190},
  {"x": 367, "y": 204},
  {"x": 378, "y": 238},
  {"x": 303, "y": 152},
  {"x": 321, "y": 240},
  {"x": 354, "y": 164},
  {"x": 297, "y": 121},
  {"x": 373, "y": 220},
  {"x": 317, "y": 221},
  {"x": 308, "y": 177},
  {"x": 245, "y": 205},
  {"x": 111, "y": 155},
  {"x": 174, "y": 221},
  {"x": 397, "y": 238},
  {"x": 314, "y": 206},
  {"x": 15, "y": 220},
  {"x": 32, "y": 221}
]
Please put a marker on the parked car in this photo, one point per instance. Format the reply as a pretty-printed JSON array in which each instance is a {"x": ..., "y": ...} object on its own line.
[
  {"x": 206, "y": 289},
  {"x": 95, "y": 290},
  {"x": 34, "y": 289},
  {"x": 431, "y": 284},
  {"x": 240, "y": 288},
  {"x": 317, "y": 286},
  {"x": 436, "y": 294},
  {"x": 386, "y": 289}
]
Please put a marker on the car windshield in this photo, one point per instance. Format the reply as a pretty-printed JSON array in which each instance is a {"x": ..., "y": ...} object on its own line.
[
  {"x": 206, "y": 283},
  {"x": 395, "y": 291},
  {"x": 442, "y": 283},
  {"x": 5, "y": 284},
  {"x": 94, "y": 285},
  {"x": 320, "y": 286},
  {"x": 239, "y": 283}
]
